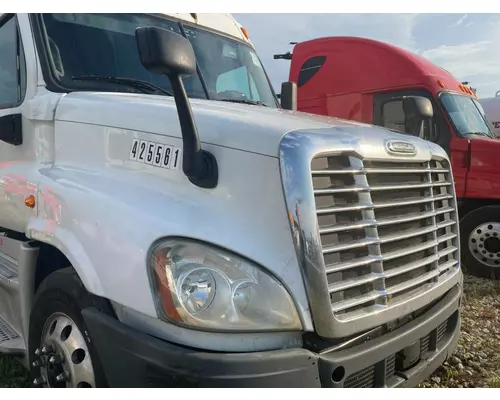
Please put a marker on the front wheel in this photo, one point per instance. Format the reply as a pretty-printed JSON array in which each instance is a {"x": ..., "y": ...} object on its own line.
[
  {"x": 480, "y": 237},
  {"x": 61, "y": 352}
]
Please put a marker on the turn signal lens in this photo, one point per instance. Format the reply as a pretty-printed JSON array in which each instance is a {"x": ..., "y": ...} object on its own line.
[{"x": 245, "y": 33}]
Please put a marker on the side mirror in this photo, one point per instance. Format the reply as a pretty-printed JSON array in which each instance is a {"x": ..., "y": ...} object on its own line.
[
  {"x": 11, "y": 130},
  {"x": 166, "y": 53},
  {"x": 417, "y": 110},
  {"x": 288, "y": 96}
]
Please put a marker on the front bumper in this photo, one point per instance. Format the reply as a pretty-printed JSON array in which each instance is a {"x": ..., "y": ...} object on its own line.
[{"x": 133, "y": 359}]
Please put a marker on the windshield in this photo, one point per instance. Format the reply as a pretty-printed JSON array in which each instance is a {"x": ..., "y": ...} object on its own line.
[
  {"x": 467, "y": 114},
  {"x": 86, "y": 51}
]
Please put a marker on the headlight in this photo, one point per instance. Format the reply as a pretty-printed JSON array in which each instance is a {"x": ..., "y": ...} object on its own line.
[{"x": 204, "y": 287}]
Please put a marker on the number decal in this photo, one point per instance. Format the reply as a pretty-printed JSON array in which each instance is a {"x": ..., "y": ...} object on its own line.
[
  {"x": 159, "y": 151},
  {"x": 167, "y": 157},
  {"x": 176, "y": 158},
  {"x": 134, "y": 149},
  {"x": 156, "y": 154},
  {"x": 142, "y": 151},
  {"x": 150, "y": 152}
]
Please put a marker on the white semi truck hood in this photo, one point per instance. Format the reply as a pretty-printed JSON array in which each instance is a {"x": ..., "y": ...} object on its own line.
[{"x": 254, "y": 129}]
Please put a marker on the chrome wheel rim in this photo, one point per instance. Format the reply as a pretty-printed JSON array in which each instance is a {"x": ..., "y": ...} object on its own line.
[
  {"x": 484, "y": 244},
  {"x": 63, "y": 357}
]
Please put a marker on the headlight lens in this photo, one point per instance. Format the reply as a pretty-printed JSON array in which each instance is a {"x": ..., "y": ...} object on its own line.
[{"x": 205, "y": 287}]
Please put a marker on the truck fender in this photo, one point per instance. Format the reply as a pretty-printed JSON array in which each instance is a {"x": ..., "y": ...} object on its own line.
[{"x": 49, "y": 232}]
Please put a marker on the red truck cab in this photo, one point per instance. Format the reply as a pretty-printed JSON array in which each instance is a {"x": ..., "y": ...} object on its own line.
[{"x": 365, "y": 80}]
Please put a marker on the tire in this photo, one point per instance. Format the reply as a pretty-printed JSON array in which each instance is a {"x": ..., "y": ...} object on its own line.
[
  {"x": 59, "y": 301},
  {"x": 480, "y": 242}
]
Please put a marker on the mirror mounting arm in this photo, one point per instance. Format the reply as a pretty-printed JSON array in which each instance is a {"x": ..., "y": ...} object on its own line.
[
  {"x": 199, "y": 165},
  {"x": 166, "y": 53}
]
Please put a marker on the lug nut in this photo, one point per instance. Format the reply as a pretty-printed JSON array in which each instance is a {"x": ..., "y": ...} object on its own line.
[
  {"x": 47, "y": 349},
  {"x": 55, "y": 359},
  {"x": 38, "y": 352},
  {"x": 39, "y": 381},
  {"x": 36, "y": 364},
  {"x": 62, "y": 377}
]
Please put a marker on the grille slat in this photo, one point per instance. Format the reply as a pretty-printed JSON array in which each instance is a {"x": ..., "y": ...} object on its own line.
[
  {"x": 445, "y": 238},
  {"x": 348, "y": 227},
  {"x": 411, "y": 186},
  {"x": 377, "y": 171},
  {"x": 339, "y": 209},
  {"x": 447, "y": 251},
  {"x": 350, "y": 283},
  {"x": 331, "y": 269},
  {"x": 359, "y": 262},
  {"x": 413, "y": 282},
  {"x": 447, "y": 265},
  {"x": 350, "y": 246},
  {"x": 407, "y": 235},
  {"x": 388, "y": 230},
  {"x": 407, "y": 252},
  {"x": 411, "y": 201},
  {"x": 400, "y": 220},
  {"x": 387, "y": 204},
  {"x": 385, "y": 239},
  {"x": 356, "y": 301},
  {"x": 411, "y": 266},
  {"x": 360, "y": 188},
  {"x": 390, "y": 274},
  {"x": 342, "y": 190}
]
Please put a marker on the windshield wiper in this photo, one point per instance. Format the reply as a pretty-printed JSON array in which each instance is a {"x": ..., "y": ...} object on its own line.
[
  {"x": 479, "y": 134},
  {"x": 251, "y": 102},
  {"x": 136, "y": 83}
]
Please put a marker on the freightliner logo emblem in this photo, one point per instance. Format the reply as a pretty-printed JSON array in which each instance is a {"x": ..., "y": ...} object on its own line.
[{"x": 400, "y": 147}]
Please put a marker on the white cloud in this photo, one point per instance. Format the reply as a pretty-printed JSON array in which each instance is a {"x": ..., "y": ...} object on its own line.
[
  {"x": 466, "y": 59},
  {"x": 477, "y": 62}
]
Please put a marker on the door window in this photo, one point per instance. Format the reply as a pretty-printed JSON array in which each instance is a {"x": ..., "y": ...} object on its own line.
[{"x": 12, "y": 66}]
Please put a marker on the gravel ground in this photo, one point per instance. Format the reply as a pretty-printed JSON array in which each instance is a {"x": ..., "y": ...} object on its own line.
[{"x": 476, "y": 362}]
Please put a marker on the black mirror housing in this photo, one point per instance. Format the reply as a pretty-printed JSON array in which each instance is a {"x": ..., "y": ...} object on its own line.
[
  {"x": 165, "y": 52},
  {"x": 288, "y": 96},
  {"x": 417, "y": 107}
]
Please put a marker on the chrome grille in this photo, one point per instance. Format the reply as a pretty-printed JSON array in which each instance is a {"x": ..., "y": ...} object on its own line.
[{"x": 388, "y": 230}]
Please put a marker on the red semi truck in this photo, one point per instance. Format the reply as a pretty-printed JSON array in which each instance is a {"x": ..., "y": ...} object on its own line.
[{"x": 367, "y": 81}]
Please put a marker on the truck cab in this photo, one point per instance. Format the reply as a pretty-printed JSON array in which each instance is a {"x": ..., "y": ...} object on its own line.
[
  {"x": 165, "y": 223},
  {"x": 366, "y": 80}
]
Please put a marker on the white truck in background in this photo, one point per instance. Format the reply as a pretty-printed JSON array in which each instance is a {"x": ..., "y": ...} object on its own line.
[
  {"x": 165, "y": 223},
  {"x": 491, "y": 107}
]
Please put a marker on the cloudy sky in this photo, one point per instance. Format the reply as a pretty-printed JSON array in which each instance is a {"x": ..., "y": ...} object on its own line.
[{"x": 467, "y": 45}]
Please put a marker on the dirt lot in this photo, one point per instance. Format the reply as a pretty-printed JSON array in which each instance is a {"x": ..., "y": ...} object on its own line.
[{"x": 476, "y": 363}]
